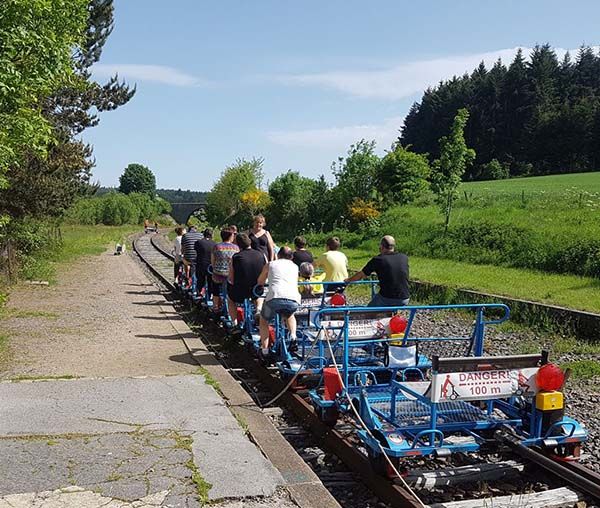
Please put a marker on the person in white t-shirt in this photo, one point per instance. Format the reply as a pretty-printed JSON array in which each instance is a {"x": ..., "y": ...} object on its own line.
[
  {"x": 282, "y": 297},
  {"x": 176, "y": 251}
]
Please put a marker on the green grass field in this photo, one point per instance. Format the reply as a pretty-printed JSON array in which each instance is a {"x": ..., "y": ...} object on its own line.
[
  {"x": 508, "y": 237},
  {"x": 566, "y": 290}
]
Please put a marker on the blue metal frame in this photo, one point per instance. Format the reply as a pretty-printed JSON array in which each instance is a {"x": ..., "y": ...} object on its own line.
[{"x": 408, "y": 423}]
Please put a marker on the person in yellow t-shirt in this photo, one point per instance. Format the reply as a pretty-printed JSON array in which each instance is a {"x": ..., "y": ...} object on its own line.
[{"x": 335, "y": 264}]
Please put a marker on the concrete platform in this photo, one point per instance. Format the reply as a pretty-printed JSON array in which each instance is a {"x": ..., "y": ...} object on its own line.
[{"x": 183, "y": 404}]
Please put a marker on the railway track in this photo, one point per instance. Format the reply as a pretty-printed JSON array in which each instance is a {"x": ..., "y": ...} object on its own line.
[{"x": 577, "y": 484}]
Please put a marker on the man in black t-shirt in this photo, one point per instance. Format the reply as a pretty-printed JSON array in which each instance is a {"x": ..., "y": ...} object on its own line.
[
  {"x": 244, "y": 270},
  {"x": 391, "y": 268},
  {"x": 203, "y": 250},
  {"x": 301, "y": 255}
]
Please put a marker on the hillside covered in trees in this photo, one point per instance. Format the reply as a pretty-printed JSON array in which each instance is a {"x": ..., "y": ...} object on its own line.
[{"x": 538, "y": 115}]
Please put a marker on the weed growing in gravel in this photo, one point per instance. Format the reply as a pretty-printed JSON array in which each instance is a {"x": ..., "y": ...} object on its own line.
[
  {"x": 43, "y": 378},
  {"x": 242, "y": 423},
  {"x": 184, "y": 442},
  {"x": 24, "y": 314},
  {"x": 566, "y": 345},
  {"x": 3, "y": 348},
  {"x": 209, "y": 380},
  {"x": 202, "y": 486},
  {"x": 583, "y": 369}
]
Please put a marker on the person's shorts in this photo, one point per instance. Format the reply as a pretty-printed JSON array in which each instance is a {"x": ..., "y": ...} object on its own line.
[
  {"x": 382, "y": 301},
  {"x": 238, "y": 294},
  {"x": 219, "y": 285},
  {"x": 281, "y": 306}
]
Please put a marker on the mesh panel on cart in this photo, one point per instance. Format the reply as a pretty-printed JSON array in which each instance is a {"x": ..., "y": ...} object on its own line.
[{"x": 413, "y": 412}]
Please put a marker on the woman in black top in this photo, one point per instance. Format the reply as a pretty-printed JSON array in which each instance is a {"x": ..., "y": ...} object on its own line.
[
  {"x": 244, "y": 270},
  {"x": 261, "y": 238}
]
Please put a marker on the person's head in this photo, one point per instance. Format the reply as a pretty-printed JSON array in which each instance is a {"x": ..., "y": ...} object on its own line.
[
  {"x": 227, "y": 235},
  {"x": 259, "y": 221},
  {"x": 233, "y": 228},
  {"x": 387, "y": 244},
  {"x": 307, "y": 270},
  {"x": 243, "y": 241},
  {"x": 192, "y": 228},
  {"x": 300, "y": 242},
  {"x": 285, "y": 253},
  {"x": 333, "y": 243},
  {"x": 207, "y": 233},
  {"x": 179, "y": 231}
]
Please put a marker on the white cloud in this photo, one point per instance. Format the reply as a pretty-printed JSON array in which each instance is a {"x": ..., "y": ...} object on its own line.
[
  {"x": 154, "y": 73},
  {"x": 339, "y": 138},
  {"x": 405, "y": 79}
]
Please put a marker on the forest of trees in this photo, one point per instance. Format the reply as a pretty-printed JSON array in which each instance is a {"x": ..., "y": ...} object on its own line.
[
  {"x": 182, "y": 196},
  {"x": 537, "y": 116}
]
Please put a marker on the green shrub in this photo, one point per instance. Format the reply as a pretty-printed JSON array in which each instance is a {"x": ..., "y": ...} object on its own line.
[
  {"x": 493, "y": 170},
  {"x": 116, "y": 209}
]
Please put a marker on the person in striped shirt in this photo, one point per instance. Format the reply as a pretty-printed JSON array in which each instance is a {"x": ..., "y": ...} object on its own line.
[{"x": 189, "y": 253}]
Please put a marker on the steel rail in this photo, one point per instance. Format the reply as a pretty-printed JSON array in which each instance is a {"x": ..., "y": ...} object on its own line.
[
  {"x": 391, "y": 493},
  {"x": 575, "y": 474}
]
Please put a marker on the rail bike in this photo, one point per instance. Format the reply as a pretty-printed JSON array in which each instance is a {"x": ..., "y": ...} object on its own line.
[
  {"x": 412, "y": 390},
  {"x": 441, "y": 394}
]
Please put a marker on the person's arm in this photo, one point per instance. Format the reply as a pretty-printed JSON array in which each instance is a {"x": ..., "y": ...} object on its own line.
[
  {"x": 363, "y": 274},
  {"x": 262, "y": 278},
  {"x": 231, "y": 271},
  {"x": 270, "y": 246},
  {"x": 357, "y": 276}
]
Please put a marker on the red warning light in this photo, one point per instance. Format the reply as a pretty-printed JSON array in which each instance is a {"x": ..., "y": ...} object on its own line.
[{"x": 550, "y": 377}]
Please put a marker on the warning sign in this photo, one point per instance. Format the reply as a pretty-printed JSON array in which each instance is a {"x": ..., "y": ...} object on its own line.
[
  {"x": 357, "y": 329},
  {"x": 483, "y": 385}
]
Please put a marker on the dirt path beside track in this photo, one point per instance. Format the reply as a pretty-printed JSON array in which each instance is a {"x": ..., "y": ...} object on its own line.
[{"x": 101, "y": 319}]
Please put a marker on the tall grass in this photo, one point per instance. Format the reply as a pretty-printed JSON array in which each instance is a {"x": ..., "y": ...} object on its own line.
[{"x": 77, "y": 241}]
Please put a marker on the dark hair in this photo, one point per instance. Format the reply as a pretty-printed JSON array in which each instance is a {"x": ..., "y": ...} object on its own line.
[
  {"x": 300, "y": 242},
  {"x": 233, "y": 228},
  {"x": 333, "y": 243},
  {"x": 207, "y": 233},
  {"x": 243, "y": 241},
  {"x": 226, "y": 234},
  {"x": 285, "y": 253},
  {"x": 179, "y": 231}
]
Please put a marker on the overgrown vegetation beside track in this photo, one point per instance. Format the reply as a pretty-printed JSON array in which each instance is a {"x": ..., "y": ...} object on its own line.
[{"x": 49, "y": 250}]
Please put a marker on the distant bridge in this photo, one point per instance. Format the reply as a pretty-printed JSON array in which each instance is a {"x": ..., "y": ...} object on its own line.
[{"x": 182, "y": 212}]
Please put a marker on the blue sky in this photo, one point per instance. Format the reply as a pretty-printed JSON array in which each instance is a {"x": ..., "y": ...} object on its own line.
[{"x": 295, "y": 82}]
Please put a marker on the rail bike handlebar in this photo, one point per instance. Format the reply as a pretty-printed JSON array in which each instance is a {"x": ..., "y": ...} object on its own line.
[
  {"x": 412, "y": 309},
  {"x": 325, "y": 283}
]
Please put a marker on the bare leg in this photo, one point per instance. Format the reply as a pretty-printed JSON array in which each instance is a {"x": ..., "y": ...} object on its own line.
[
  {"x": 264, "y": 333},
  {"x": 291, "y": 324},
  {"x": 232, "y": 308}
]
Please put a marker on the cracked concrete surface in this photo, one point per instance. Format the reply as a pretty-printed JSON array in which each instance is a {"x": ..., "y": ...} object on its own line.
[
  {"x": 119, "y": 436},
  {"x": 125, "y": 466}
]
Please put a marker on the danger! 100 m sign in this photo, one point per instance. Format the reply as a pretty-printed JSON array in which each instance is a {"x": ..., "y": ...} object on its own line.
[{"x": 483, "y": 385}]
